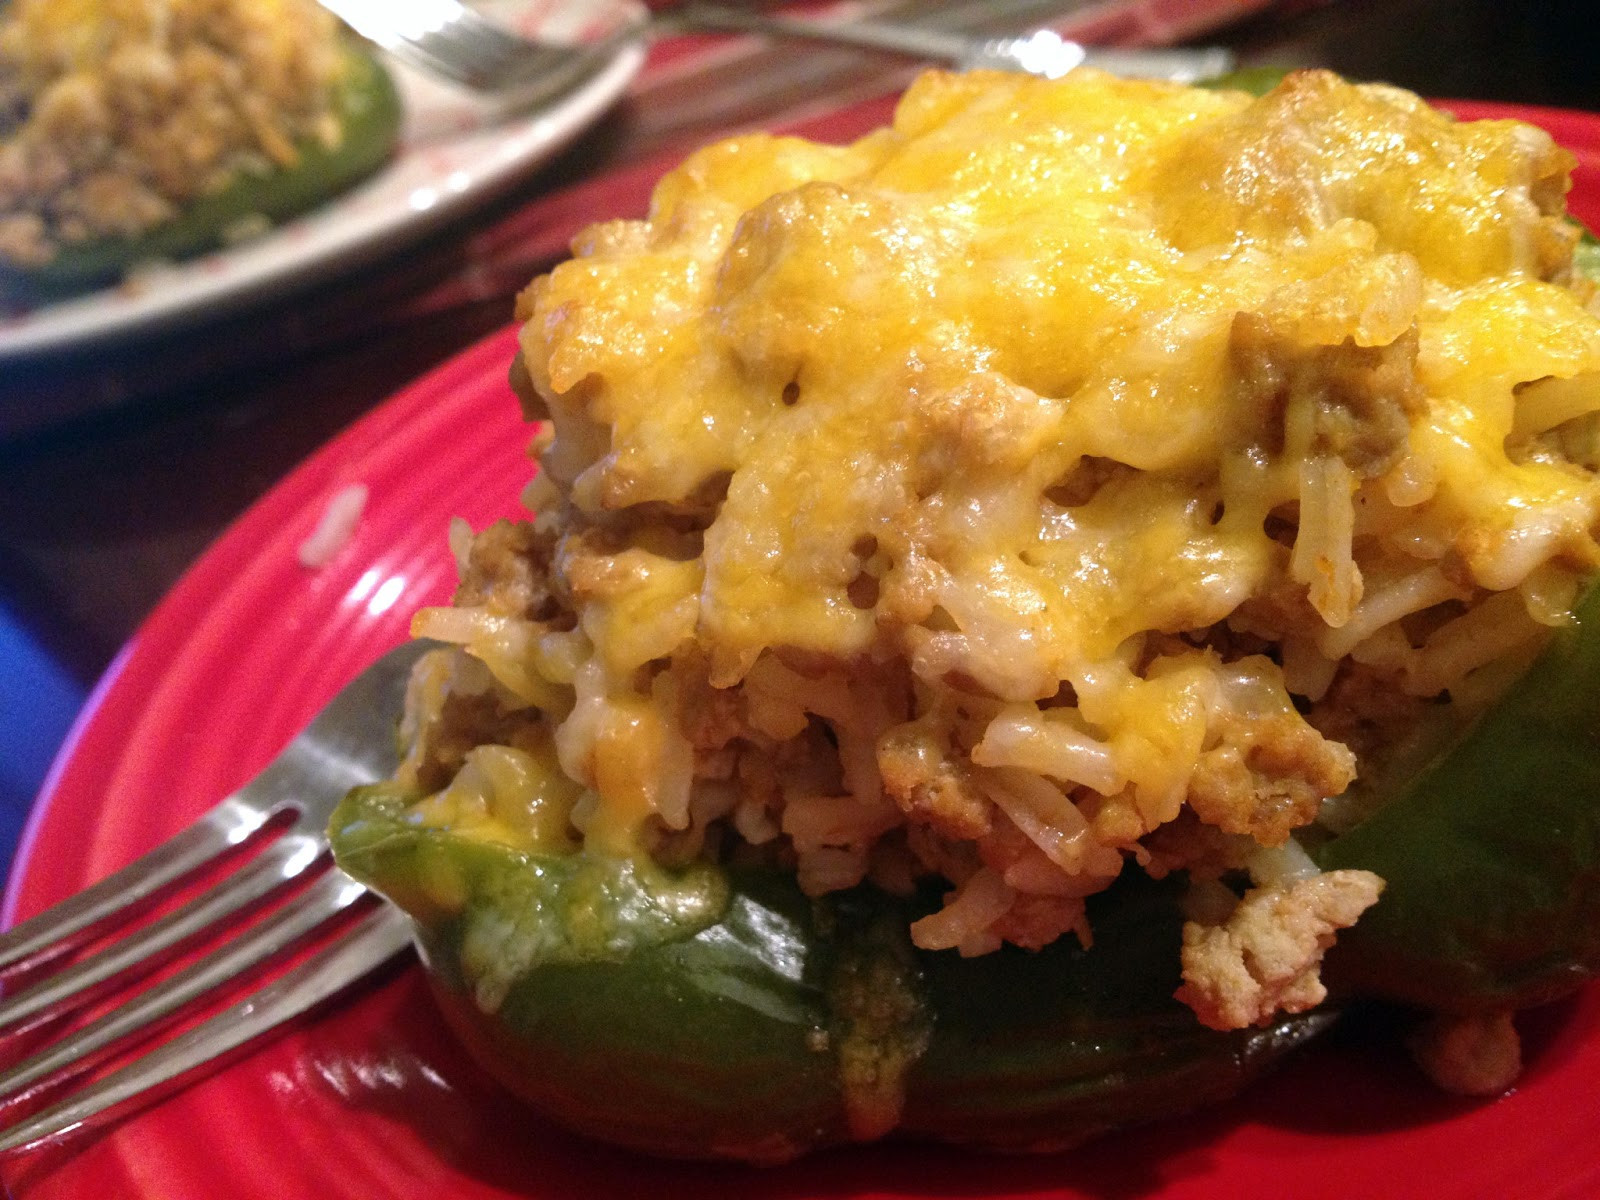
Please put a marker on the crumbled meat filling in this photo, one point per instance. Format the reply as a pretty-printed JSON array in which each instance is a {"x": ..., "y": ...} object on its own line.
[
  {"x": 1266, "y": 957},
  {"x": 1361, "y": 398},
  {"x": 507, "y": 570},
  {"x": 1475, "y": 1055},
  {"x": 1267, "y": 779},
  {"x": 929, "y": 787}
]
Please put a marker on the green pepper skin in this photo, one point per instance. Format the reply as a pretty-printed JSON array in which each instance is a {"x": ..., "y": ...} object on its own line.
[
  {"x": 764, "y": 1024},
  {"x": 369, "y": 114},
  {"x": 1586, "y": 256},
  {"x": 690, "y": 1034},
  {"x": 705, "y": 1046},
  {"x": 1491, "y": 857},
  {"x": 1258, "y": 81},
  {"x": 1041, "y": 1051}
]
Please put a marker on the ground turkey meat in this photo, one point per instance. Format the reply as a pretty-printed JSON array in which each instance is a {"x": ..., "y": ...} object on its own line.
[{"x": 1266, "y": 957}]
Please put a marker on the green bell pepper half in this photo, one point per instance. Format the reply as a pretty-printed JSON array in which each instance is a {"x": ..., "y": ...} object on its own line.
[
  {"x": 723, "y": 1014},
  {"x": 1491, "y": 855},
  {"x": 369, "y": 113}
]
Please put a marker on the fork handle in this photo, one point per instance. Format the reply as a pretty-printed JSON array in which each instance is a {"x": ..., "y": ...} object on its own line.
[
  {"x": 915, "y": 41},
  {"x": 1186, "y": 65}
]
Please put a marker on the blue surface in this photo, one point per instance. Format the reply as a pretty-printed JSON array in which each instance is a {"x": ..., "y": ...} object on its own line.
[{"x": 38, "y": 701}]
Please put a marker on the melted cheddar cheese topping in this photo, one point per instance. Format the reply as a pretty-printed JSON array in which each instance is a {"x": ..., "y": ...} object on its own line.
[{"x": 914, "y": 339}]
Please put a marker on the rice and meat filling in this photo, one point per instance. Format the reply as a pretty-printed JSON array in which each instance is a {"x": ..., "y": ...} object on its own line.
[
  {"x": 1076, "y": 477},
  {"x": 116, "y": 114}
]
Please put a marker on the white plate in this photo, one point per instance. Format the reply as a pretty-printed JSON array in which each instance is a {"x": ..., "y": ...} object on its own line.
[{"x": 456, "y": 152}]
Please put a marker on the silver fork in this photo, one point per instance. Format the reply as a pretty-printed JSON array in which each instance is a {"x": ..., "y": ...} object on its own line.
[
  {"x": 446, "y": 38},
  {"x": 1042, "y": 52},
  {"x": 350, "y": 742}
]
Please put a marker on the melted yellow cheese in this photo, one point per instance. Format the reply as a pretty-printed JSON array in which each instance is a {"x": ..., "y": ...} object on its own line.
[{"x": 908, "y": 342}]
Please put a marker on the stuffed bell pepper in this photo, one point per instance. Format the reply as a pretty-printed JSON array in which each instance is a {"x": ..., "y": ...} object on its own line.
[
  {"x": 1023, "y": 617},
  {"x": 135, "y": 132}
]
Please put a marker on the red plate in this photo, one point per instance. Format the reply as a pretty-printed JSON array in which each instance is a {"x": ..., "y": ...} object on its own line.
[{"x": 372, "y": 1099}]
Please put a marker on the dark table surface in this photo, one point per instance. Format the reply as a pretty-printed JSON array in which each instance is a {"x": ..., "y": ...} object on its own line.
[{"x": 165, "y": 442}]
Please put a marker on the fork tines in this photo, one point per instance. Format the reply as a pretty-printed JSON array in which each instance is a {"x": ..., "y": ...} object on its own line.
[
  {"x": 281, "y": 815},
  {"x": 447, "y": 39}
]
